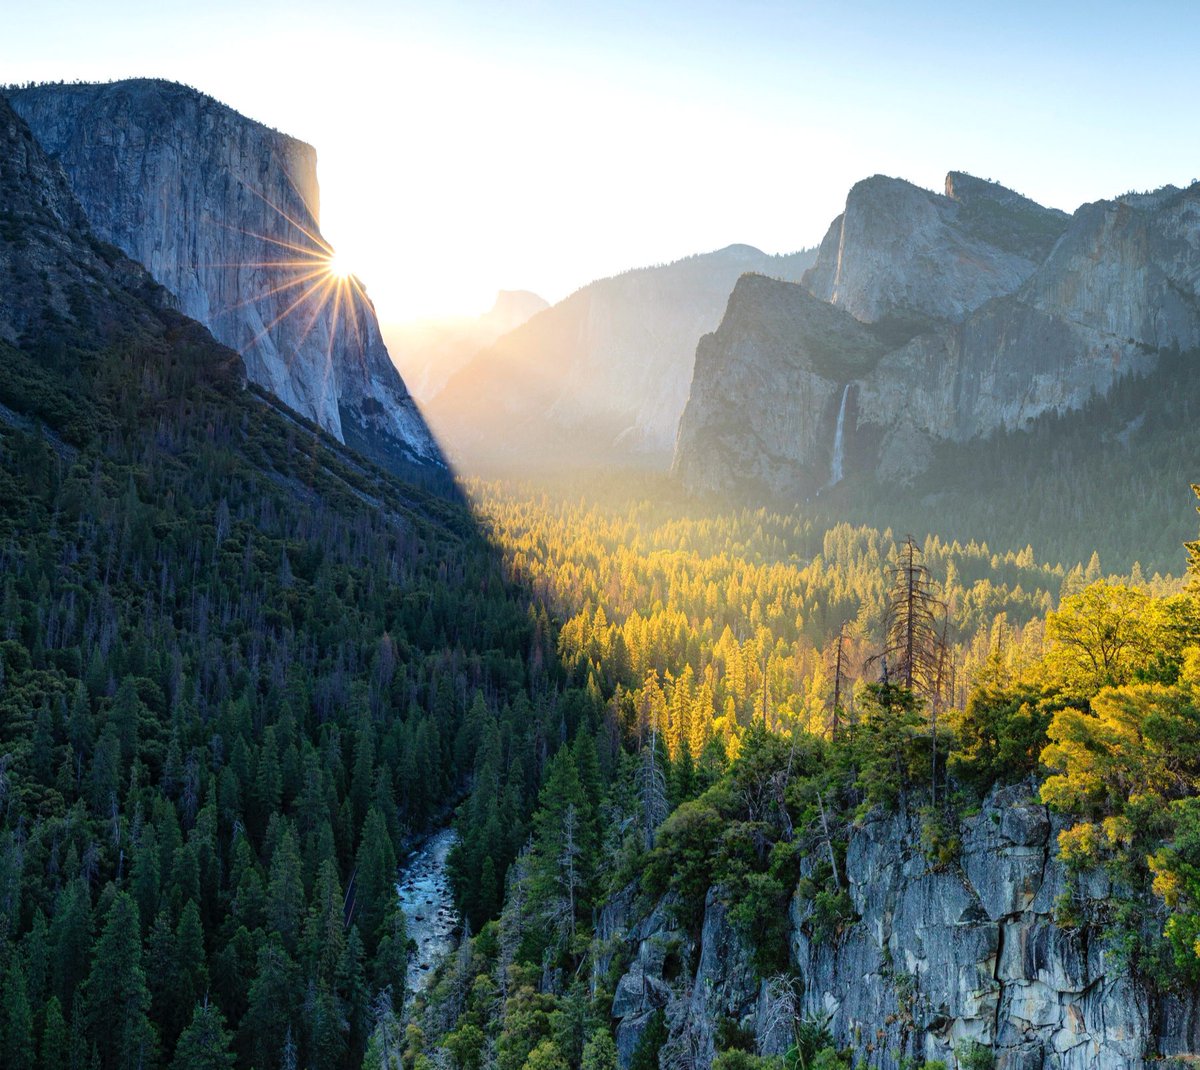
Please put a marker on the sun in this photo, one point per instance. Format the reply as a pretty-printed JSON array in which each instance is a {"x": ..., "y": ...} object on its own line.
[
  {"x": 307, "y": 276},
  {"x": 337, "y": 267}
]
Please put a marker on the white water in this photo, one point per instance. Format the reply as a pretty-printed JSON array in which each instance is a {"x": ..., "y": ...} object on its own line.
[
  {"x": 429, "y": 914},
  {"x": 835, "y": 464}
]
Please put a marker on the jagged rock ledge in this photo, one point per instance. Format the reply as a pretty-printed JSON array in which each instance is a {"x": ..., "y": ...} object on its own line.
[{"x": 938, "y": 955}]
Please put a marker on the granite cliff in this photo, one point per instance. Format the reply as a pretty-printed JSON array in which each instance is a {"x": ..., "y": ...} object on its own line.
[
  {"x": 936, "y": 955},
  {"x": 602, "y": 375},
  {"x": 964, "y": 314},
  {"x": 62, "y": 291},
  {"x": 904, "y": 252},
  {"x": 224, "y": 213}
]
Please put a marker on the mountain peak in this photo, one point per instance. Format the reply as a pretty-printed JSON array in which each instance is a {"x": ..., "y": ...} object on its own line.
[
  {"x": 741, "y": 249},
  {"x": 905, "y": 253}
]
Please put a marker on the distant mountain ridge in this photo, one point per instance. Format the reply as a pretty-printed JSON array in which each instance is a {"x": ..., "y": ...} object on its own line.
[
  {"x": 224, "y": 212},
  {"x": 428, "y": 352},
  {"x": 962, "y": 314},
  {"x": 603, "y": 375}
]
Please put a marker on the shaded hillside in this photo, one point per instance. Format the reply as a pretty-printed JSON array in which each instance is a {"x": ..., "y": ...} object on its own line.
[
  {"x": 240, "y": 666},
  {"x": 1112, "y": 477}
]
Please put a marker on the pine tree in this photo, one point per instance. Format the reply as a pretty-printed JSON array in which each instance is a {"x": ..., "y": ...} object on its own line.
[
  {"x": 599, "y": 1053},
  {"x": 146, "y": 876},
  {"x": 117, "y": 997},
  {"x": 916, "y": 649},
  {"x": 324, "y": 931},
  {"x": 390, "y": 964},
  {"x": 205, "y": 1043},
  {"x": 274, "y": 999},
  {"x": 651, "y": 790},
  {"x": 285, "y": 890},
  {"x": 559, "y": 861},
  {"x": 54, "y": 1051},
  {"x": 189, "y": 969},
  {"x": 352, "y": 991},
  {"x": 375, "y": 880},
  {"x": 912, "y": 644},
  {"x": 16, "y": 1017}
]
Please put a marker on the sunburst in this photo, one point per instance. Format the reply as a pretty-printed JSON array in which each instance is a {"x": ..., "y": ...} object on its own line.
[{"x": 307, "y": 276}]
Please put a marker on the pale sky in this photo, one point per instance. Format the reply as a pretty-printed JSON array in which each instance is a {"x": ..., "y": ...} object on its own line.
[{"x": 469, "y": 146}]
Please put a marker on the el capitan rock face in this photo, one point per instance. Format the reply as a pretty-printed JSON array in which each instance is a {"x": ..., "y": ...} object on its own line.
[
  {"x": 965, "y": 314},
  {"x": 214, "y": 204}
]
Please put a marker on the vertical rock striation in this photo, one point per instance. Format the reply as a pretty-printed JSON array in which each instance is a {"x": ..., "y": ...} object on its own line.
[
  {"x": 937, "y": 955},
  {"x": 223, "y": 212},
  {"x": 963, "y": 314}
]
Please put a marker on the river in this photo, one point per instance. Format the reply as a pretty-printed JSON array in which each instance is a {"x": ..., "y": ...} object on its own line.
[{"x": 425, "y": 898}]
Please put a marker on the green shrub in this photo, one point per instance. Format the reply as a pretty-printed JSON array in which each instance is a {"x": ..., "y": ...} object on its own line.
[{"x": 972, "y": 1055}]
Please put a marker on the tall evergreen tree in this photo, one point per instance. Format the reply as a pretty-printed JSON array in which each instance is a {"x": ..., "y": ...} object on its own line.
[
  {"x": 205, "y": 1043},
  {"x": 118, "y": 1000}
]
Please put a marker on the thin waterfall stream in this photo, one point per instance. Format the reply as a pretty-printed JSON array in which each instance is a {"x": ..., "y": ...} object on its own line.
[{"x": 839, "y": 453}]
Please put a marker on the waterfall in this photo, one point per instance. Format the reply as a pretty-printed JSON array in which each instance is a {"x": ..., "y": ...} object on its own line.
[{"x": 835, "y": 463}]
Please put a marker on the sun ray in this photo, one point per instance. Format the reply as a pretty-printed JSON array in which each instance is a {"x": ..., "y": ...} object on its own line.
[
  {"x": 287, "y": 312},
  {"x": 318, "y": 308},
  {"x": 295, "y": 223},
  {"x": 311, "y": 262},
  {"x": 316, "y": 273},
  {"x": 306, "y": 251},
  {"x": 329, "y": 288}
]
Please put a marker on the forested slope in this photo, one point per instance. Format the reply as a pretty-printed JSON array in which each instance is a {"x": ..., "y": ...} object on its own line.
[{"x": 236, "y": 669}]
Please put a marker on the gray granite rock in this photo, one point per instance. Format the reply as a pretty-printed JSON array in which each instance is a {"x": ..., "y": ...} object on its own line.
[
  {"x": 938, "y": 955},
  {"x": 964, "y": 314},
  {"x": 219, "y": 209}
]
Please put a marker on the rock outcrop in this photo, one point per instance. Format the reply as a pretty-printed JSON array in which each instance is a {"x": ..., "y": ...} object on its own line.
[
  {"x": 937, "y": 956},
  {"x": 991, "y": 310},
  {"x": 223, "y": 212},
  {"x": 767, "y": 388},
  {"x": 902, "y": 252},
  {"x": 601, "y": 375}
]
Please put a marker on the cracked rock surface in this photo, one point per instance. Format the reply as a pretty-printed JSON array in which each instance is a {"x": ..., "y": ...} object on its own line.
[{"x": 936, "y": 956}]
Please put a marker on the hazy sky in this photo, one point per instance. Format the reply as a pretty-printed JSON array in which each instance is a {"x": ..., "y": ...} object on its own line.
[{"x": 467, "y": 146}]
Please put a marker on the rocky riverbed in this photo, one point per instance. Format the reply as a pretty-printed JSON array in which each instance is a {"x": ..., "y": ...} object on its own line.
[{"x": 428, "y": 905}]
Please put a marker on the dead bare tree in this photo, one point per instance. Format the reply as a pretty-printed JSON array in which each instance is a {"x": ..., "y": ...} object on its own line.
[{"x": 916, "y": 637}]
